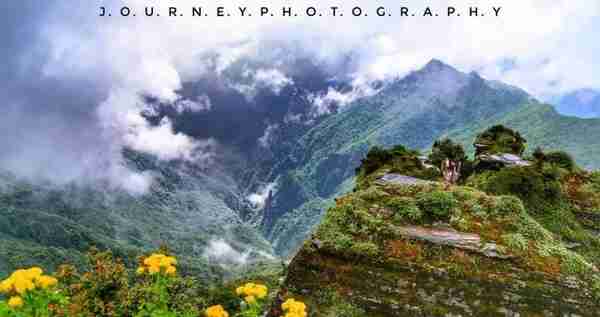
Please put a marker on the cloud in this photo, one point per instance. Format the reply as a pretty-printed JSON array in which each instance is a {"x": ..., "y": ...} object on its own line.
[
  {"x": 266, "y": 139},
  {"x": 336, "y": 99},
  {"x": 220, "y": 251},
  {"x": 259, "y": 199},
  {"x": 201, "y": 103},
  {"x": 76, "y": 83},
  {"x": 254, "y": 81}
]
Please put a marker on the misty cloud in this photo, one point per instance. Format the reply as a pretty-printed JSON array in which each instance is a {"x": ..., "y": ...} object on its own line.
[
  {"x": 220, "y": 251},
  {"x": 75, "y": 88},
  {"x": 259, "y": 199},
  {"x": 201, "y": 103}
]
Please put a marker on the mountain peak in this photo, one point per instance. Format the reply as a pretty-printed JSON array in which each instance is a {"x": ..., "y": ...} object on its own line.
[{"x": 436, "y": 65}]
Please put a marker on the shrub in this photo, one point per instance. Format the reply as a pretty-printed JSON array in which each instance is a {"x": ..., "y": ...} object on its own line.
[
  {"x": 31, "y": 294},
  {"x": 446, "y": 149},
  {"x": 500, "y": 139},
  {"x": 399, "y": 156},
  {"x": 561, "y": 159},
  {"x": 345, "y": 309},
  {"x": 343, "y": 242},
  {"x": 506, "y": 205},
  {"x": 376, "y": 158},
  {"x": 438, "y": 204},
  {"x": 478, "y": 210},
  {"x": 571, "y": 262},
  {"x": 515, "y": 241},
  {"x": 108, "y": 290},
  {"x": 104, "y": 291},
  {"x": 538, "y": 154},
  {"x": 465, "y": 193},
  {"x": 532, "y": 229},
  {"x": 405, "y": 208},
  {"x": 536, "y": 190},
  {"x": 372, "y": 194},
  {"x": 595, "y": 180},
  {"x": 366, "y": 249}
]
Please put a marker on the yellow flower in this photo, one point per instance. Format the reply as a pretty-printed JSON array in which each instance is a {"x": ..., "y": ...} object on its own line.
[
  {"x": 260, "y": 291},
  {"x": 294, "y": 308},
  {"x": 6, "y": 286},
  {"x": 239, "y": 291},
  {"x": 45, "y": 281},
  {"x": 155, "y": 262},
  {"x": 250, "y": 299},
  {"x": 33, "y": 273},
  {"x": 216, "y": 311},
  {"x": 23, "y": 285},
  {"x": 15, "y": 302},
  {"x": 171, "y": 270},
  {"x": 140, "y": 270},
  {"x": 168, "y": 261},
  {"x": 288, "y": 303},
  {"x": 303, "y": 314},
  {"x": 250, "y": 289}
]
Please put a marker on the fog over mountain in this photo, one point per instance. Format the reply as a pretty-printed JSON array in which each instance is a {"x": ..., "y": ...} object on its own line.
[
  {"x": 227, "y": 139},
  {"x": 78, "y": 89}
]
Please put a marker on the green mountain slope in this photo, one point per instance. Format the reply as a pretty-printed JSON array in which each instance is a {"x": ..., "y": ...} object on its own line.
[
  {"x": 543, "y": 126},
  {"x": 48, "y": 225}
]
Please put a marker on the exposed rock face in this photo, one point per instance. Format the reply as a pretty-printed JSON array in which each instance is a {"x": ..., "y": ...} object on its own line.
[
  {"x": 403, "y": 288},
  {"x": 505, "y": 159},
  {"x": 398, "y": 179},
  {"x": 453, "y": 238}
]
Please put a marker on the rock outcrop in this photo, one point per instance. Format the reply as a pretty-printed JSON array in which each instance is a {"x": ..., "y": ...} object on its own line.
[
  {"x": 452, "y": 238},
  {"x": 408, "y": 247},
  {"x": 505, "y": 159}
]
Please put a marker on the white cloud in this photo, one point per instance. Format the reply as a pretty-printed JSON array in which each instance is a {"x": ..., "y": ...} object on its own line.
[
  {"x": 266, "y": 139},
  {"x": 155, "y": 54},
  {"x": 161, "y": 140},
  {"x": 271, "y": 79},
  {"x": 201, "y": 103},
  {"x": 220, "y": 251},
  {"x": 259, "y": 199},
  {"x": 553, "y": 45},
  {"x": 323, "y": 104}
]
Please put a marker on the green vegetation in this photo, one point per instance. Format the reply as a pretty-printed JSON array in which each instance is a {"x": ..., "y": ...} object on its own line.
[
  {"x": 155, "y": 289},
  {"x": 438, "y": 204},
  {"x": 48, "y": 225},
  {"x": 499, "y": 139},
  {"x": 446, "y": 149},
  {"x": 527, "y": 215}
]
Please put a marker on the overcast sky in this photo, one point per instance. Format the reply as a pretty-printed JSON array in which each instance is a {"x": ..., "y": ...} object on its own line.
[{"x": 71, "y": 81}]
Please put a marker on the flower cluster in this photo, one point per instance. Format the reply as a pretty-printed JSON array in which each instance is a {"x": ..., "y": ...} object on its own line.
[
  {"x": 252, "y": 292},
  {"x": 216, "y": 311},
  {"x": 157, "y": 262},
  {"x": 22, "y": 281},
  {"x": 294, "y": 308}
]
